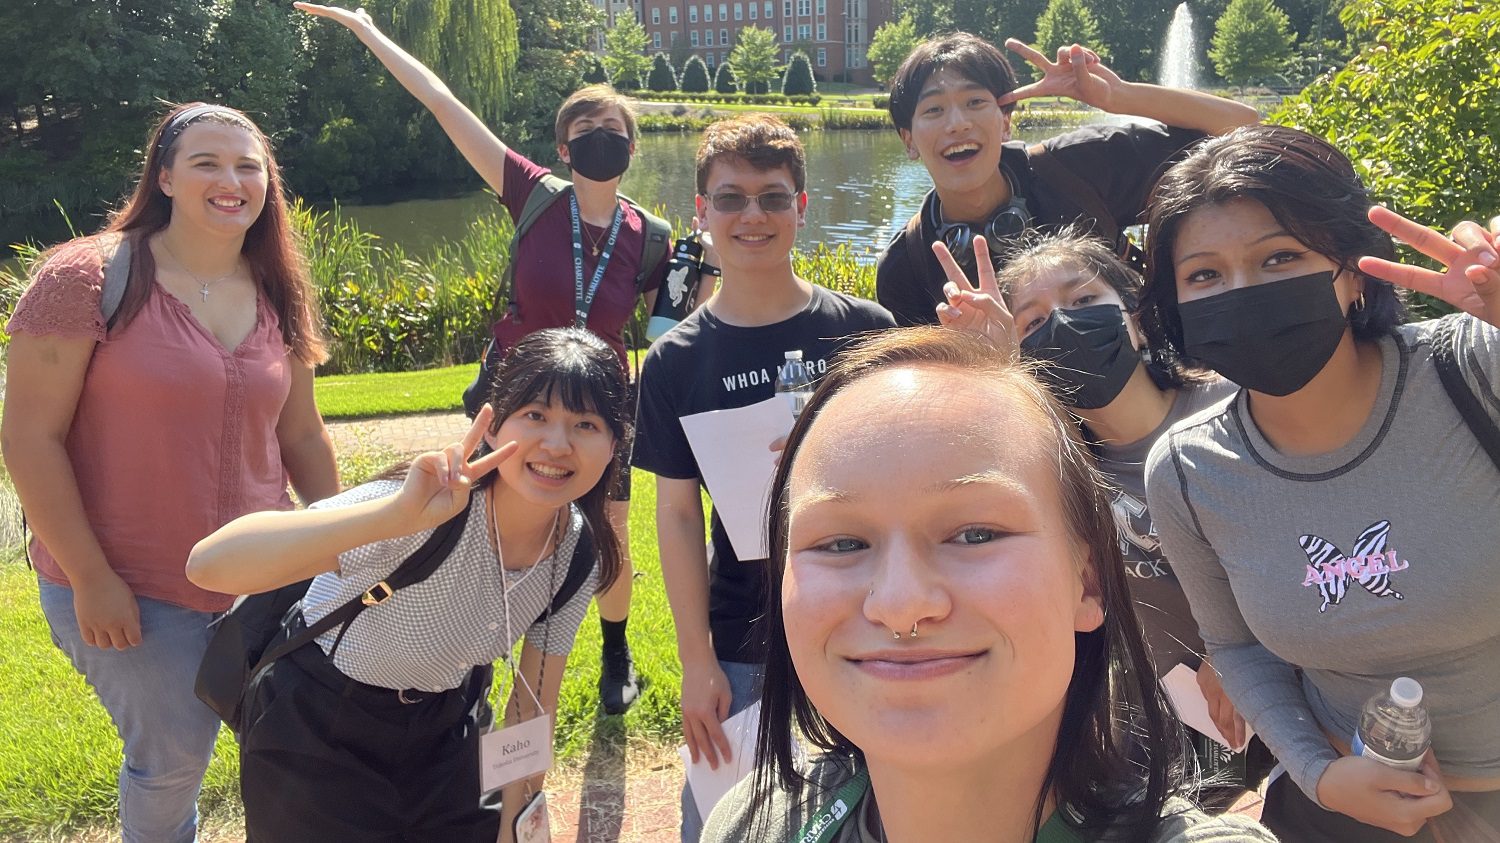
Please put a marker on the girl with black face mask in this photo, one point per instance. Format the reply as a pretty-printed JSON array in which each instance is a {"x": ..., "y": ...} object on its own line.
[
  {"x": 1072, "y": 301},
  {"x": 1333, "y": 524},
  {"x": 605, "y": 236}
]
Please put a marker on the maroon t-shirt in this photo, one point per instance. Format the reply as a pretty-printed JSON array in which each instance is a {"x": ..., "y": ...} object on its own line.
[{"x": 544, "y": 283}]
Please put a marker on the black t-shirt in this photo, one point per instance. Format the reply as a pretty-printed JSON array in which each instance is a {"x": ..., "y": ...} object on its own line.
[
  {"x": 1121, "y": 163},
  {"x": 704, "y": 364}
]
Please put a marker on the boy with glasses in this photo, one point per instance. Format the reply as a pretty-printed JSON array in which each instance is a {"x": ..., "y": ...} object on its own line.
[
  {"x": 951, "y": 101},
  {"x": 751, "y": 200}
]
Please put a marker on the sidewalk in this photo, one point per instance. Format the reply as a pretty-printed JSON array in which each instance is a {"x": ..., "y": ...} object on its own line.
[{"x": 405, "y": 435}]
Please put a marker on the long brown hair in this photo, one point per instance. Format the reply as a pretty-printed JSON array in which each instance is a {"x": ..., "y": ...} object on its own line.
[{"x": 270, "y": 247}]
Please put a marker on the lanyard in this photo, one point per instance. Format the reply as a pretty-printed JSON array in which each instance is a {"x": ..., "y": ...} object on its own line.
[
  {"x": 583, "y": 300},
  {"x": 825, "y": 823}
]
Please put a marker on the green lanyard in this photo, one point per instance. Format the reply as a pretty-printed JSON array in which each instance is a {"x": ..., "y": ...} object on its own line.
[{"x": 825, "y": 823}]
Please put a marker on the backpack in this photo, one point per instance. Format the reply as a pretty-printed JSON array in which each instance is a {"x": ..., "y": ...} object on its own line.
[{"x": 1446, "y": 337}]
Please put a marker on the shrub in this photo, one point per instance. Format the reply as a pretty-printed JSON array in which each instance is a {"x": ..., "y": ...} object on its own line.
[
  {"x": 594, "y": 72},
  {"x": 695, "y": 76},
  {"x": 798, "y": 79},
  {"x": 662, "y": 77},
  {"x": 725, "y": 81}
]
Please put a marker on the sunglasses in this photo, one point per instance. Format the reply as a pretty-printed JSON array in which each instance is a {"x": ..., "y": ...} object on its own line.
[{"x": 773, "y": 202}]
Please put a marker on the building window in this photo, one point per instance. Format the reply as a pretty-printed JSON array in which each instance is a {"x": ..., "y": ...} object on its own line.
[
  {"x": 754, "y": 8},
  {"x": 804, "y": 8},
  {"x": 739, "y": 11},
  {"x": 693, "y": 37},
  {"x": 723, "y": 38},
  {"x": 656, "y": 17},
  {"x": 786, "y": 8},
  {"x": 656, "y": 40},
  {"x": 822, "y": 57},
  {"x": 822, "y": 7},
  {"x": 672, "y": 15},
  {"x": 692, "y": 14},
  {"x": 675, "y": 33},
  {"x": 786, "y": 34},
  {"x": 769, "y": 8},
  {"x": 708, "y": 13},
  {"x": 822, "y": 32},
  {"x": 723, "y": 11},
  {"x": 804, "y": 32},
  {"x": 708, "y": 37}
]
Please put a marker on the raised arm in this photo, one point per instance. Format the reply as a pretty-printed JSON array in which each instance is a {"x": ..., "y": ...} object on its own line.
[
  {"x": 479, "y": 146},
  {"x": 1078, "y": 73}
]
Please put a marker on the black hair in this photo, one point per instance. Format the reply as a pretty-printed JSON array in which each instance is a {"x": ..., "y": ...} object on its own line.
[
  {"x": 1037, "y": 250},
  {"x": 968, "y": 55},
  {"x": 1308, "y": 186},
  {"x": 1119, "y": 749},
  {"x": 578, "y": 369}
]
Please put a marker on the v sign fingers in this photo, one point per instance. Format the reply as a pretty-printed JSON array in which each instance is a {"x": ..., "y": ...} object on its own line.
[
  {"x": 1470, "y": 280},
  {"x": 977, "y": 309}
]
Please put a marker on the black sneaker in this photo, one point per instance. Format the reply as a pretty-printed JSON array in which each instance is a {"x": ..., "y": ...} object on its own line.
[{"x": 618, "y": 685}]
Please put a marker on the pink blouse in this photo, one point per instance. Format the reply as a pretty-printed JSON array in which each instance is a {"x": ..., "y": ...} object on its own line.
[{"x": 173, "y": 437}]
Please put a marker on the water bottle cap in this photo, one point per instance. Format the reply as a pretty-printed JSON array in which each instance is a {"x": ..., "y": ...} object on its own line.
[
  {"x": 794, "y": 354},
  {"x": 1406, "y": 692}
]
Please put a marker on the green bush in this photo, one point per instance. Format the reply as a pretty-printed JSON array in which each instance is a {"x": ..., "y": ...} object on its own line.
[
  {"x": 695, "y": 76},
  {"x": 594, "y": 72},
  {"x": 725, "y": 81},
  {"x": 798, "y": 79},
  {"x": 662, "y": 77},
  {"x": 734, "y": 98},
  {"x": 881, "y": 101}
]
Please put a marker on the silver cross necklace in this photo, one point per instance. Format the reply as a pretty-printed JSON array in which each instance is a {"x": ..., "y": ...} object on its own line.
[{"x": 204, "y": 287}]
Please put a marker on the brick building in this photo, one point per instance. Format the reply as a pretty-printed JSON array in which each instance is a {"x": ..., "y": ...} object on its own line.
[{"x": 834, "y": 33}]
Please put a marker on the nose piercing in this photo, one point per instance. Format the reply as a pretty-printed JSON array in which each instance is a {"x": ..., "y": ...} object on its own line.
[
  {"x": 896, "y": 635},
  {"x": 913, "y": 631}
]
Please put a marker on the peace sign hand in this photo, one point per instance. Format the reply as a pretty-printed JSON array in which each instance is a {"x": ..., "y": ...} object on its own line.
[
  {"x": 1078, "y": 73},
  {"x": 356, "y": 20},
  {"x": 1471, "y": 281},
  {"x": 979, "y": 310},
  {"x": 438, "y": 484}
]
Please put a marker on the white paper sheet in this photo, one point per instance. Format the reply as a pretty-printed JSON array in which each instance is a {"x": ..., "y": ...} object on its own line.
[
  {"x": 1181, "y": 685},
  {"x": 733, "y": 449},
  {"x": 710, "y": 785}
]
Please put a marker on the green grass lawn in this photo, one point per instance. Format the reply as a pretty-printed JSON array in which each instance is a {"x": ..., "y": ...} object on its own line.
[{"x": 59, "y": 754}]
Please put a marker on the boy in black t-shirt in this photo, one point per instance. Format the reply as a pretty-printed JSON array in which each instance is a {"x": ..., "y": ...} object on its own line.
[
  {"x": 951, "y": 101},
  {"x": 751, "y": 199}
]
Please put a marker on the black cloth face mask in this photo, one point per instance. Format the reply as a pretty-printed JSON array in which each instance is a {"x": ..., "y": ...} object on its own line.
[
  {"x": 599, "y": 155},
  {"x": 1271, "y": 338},
  {"x": 1089, "y": 351}
]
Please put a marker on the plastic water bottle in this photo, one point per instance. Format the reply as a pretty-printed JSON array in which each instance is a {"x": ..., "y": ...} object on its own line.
[
  {"x": 674, "y": 299},
  {"x": 1394, "y": 728},
  {"x": 793, "y": 383}
]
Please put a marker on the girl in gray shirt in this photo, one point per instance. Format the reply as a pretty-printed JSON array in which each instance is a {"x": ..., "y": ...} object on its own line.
[{"x": 1333, "y": 524}]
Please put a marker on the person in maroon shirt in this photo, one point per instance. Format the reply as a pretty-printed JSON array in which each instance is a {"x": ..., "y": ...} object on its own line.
[{"x": 596, "y": 139}]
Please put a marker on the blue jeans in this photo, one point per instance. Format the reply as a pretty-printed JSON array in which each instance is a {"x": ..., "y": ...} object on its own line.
[
  {"x": 148, "y": 692},
  {"x": 744, "y": 689}
]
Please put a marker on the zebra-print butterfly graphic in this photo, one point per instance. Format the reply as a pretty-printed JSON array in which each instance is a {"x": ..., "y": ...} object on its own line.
[{"x": 1324, "y": 557}]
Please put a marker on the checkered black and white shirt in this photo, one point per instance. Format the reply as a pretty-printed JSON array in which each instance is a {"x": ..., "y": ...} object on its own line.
[{"x": 428, "y": 636}]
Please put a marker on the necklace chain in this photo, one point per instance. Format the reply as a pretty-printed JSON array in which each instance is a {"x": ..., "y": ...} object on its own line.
[{"x": 204, "y": 287}]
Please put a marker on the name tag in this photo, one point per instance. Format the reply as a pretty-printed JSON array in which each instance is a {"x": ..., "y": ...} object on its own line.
[{"x": 515, "y": 752}]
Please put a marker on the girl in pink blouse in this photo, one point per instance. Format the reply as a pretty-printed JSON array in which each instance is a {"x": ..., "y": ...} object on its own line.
[{"x": 132, "y": 430}]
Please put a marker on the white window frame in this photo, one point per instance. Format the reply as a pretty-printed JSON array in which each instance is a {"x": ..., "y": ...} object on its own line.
[
  {"x": 786, "y": 34},
  {"x": 708, "y": 13},
  {"x": 692, "y": 14},
  {"x": 754, "y": 10},
  {"x": 822, "y": 7},
  {"x": 693, "y": 38},
  {"x": 672, "y": 14},
  {"x": 723, "y": 38},
  {"x": 804, "y": 32},
  {"x": 822, "y": 57},
  {"x": 822, "y": 32},
  {"x": 739, "y": 11},
  {"x": 656, "y": 16},
  {"x": 656, "y": 40}
]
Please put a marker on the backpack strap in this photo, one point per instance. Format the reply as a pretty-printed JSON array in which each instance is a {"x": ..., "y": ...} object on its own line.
[
  {"x": 658, "y": 240},
  {"x": 579, "y": 567},
  {"x": 548, "y": 189},
  {"x": 1064, "y": 183},
  {"x": 116, "y": 263},
  {"x": 415, "y": 568},
  {"x": 1446, "y": 350},
  {"x": 912, "y": 238}
]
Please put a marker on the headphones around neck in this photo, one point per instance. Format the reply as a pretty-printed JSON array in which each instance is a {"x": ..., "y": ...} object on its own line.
[{"x": 1005, "y": 225}]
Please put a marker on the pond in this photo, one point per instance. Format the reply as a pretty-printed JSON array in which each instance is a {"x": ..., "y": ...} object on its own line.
[{"x": 861, "y": 188}]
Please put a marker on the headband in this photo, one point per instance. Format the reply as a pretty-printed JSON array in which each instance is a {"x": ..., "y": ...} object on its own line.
[{"x": 178, "y": 124}]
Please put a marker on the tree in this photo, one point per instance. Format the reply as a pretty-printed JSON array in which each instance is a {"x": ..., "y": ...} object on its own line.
[
  {"x": 754, "y": 59},
  {"x": 695, "y": 76},
  {"x": 1417, "y": 109},
  {"x": 593, "y": 71},
  {"x": 798, "y": 79},
  {"x": 725, "y": 80},
  {"x": 554, "y": 36},
  {"x": 1251, "y": 41},
  {"x": 663, "y": 77},
  {"x": 470, "y": 44},
  {"x": 890, "y": 45},
  {"x": 625, "y": 53},
  {"x": 1066, "y": 22}
]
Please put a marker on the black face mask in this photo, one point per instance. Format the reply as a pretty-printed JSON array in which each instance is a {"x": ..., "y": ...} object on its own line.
[
  {"x": 599, "y": 155},
  {"x": 1090, "y": 353},
  {"x": 1271, "y": 338}
]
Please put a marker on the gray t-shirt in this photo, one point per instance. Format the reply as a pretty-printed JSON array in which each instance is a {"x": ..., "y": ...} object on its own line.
[
  {"x": 428, "y": 636},
  {"x": 1316, "y": 580},
  {"x": 736, "y": 820},
  {"x": 1160, "y": 602}
]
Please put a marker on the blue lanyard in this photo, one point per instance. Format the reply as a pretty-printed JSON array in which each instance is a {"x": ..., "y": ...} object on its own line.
[{"x": 582, "y": 300}]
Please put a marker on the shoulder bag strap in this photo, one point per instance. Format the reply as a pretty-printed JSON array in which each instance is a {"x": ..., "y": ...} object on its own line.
[
  {"x": 547, "y": 190},
  {"x": 1067, "y": 185},
  {"x": 579, "y": 566},
  {"x": 116, "y": 279},
  {"x": 414, "y": 569},
  {"x": 916, "y": 250},
  {"x": 1445, "y": 354}
]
